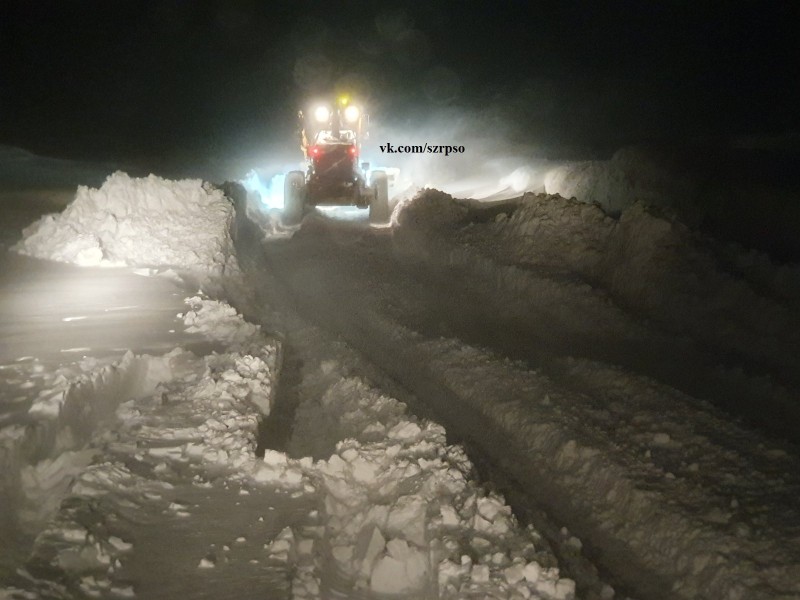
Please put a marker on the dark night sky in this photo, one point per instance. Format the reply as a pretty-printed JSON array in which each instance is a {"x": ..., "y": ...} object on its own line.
[{"x": 166, "y": 79}]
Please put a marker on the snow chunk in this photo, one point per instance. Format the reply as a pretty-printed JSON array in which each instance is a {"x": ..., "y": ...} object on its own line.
[
  {"x": 369, "y": 545},
  {"x": 404, "y": 570}
]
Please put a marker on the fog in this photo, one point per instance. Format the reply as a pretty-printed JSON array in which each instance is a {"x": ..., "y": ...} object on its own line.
[{"x": 491, "y": 166}]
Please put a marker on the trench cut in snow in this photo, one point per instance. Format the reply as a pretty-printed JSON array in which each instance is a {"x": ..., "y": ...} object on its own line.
[{"x": 395, "y": 514}]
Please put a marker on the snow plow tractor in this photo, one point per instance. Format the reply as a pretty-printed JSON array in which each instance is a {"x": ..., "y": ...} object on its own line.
[{"x": 330, "y": 137}]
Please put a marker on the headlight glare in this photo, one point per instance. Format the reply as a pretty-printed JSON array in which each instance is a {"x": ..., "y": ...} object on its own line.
[
  {"x": 322, "y": 114},
  {"x": 351, "y": 113}
]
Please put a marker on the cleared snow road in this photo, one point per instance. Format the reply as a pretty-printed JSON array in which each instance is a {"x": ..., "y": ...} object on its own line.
[
  {"x": 589, "y": 366},
  {"x": 149, "y": 483},
  {"x": 570, "y": 403}
]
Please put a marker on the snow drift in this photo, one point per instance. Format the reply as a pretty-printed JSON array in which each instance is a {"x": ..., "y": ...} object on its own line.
[
  {"x": 744, "y": 195},
  {"x": 22, "y": 169},
  {"x": 649, "y": 264},
  {"x": 622, "y": 311}
]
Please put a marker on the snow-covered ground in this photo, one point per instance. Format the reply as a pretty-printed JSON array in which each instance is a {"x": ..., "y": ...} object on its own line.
[
  {"x": 735, "y": 189},
  {"x": 628, "y": 421},
  {"x": 633, "y": 379},
  {"x": 22, "y": 170},
  {"x": 628, "y": 385},
  {"x": 121, "y": 454}
]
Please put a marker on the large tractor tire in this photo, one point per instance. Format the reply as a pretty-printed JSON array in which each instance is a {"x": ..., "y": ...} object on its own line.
[
  {"x": 379, "y": 204},
  {"x": 294, "y": 197}
]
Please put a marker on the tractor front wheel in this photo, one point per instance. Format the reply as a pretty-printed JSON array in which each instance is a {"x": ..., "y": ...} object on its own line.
[{"x": 294, "y": 193}]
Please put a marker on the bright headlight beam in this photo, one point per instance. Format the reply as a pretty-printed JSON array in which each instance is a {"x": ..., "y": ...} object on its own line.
[
  {"x": 351, "y": 113},
  {"x": 322, "y": 114}
]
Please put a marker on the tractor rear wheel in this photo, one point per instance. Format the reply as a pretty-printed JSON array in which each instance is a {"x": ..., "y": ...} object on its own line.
[{"x": 379, "y": 204}]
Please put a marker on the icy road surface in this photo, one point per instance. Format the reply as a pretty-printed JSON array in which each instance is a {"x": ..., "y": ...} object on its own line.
[{"x": 618, "y": 425}]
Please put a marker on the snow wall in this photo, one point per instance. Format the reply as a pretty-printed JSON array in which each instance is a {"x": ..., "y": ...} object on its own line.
[
  {"x": 569, "y": 263},
  {"x": 139, "y": 222},
  {"x": 154, "y": 222},
  {"x": 743, "y": 195}
]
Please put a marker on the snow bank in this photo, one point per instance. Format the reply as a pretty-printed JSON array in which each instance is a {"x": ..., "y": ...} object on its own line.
[
  {"x": 647, "y": 263},
  {"x": 174, "y": 412},
  {"x": 41, "y": 459},
  {"x": 139, "y": 222},
  {"x": 399, "y": 516},
  {"x": 634, "y": 464},
  {"x": 655, "y": 266},
  {"x": 737, "y": 194},
  {"x": 665, "y": 518}
]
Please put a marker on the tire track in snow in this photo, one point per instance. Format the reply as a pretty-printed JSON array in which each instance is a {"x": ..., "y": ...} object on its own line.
[
  {"x": 425, "y": 395},
  {"x": 655, "y": 546}
]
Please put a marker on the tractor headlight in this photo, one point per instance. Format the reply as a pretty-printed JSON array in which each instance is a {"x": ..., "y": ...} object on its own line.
[
  {"x": 351, "y": 113},
  {"x": 322, "y": 114}
]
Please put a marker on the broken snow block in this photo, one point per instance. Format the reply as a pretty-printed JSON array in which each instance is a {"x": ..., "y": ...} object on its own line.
[
  {"x": 449, "y": 516},
  {"x": 449, "y": 573},
  {"x": 514, "y": 574},
  {"x": 480, "y": 573},
  {"x": 283, "y": 545},
  {"x": 369, "y": 544},
  {"x": 532, "y": 572},
  {"x": 364, "y": 471},
  {"x": 405, "y": 430},
  {"x": 407, "y": 518},
  {"x": 395, "y": 576},
  {"x": 275, "y": 458}
]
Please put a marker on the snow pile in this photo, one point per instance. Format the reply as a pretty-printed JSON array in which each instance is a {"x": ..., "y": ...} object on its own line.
[
  {"x": 428, "y": 209},
  {"x": 554, "y": 232},
  {"x": 218, "y": 403},
  {"x": 736, "y": 193},
  {"x": 647, "y": 263},
  {"x": 92, "y": 390},
  {"x": 217, "y": 321},
  {"x": 652, "y": 264},
  {"x": 632, "y": 175},
  {"x": 174, "y": 412},
  {"x": 80, "y": 400},
  {"x": 403, "y": 519},
  {"x": 143, "y": 222},
  {"x": 399, "y": 516}
]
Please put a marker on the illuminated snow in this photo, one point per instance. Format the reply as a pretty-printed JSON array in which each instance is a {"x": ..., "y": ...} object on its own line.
[{"x": 139, "y": 222}]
